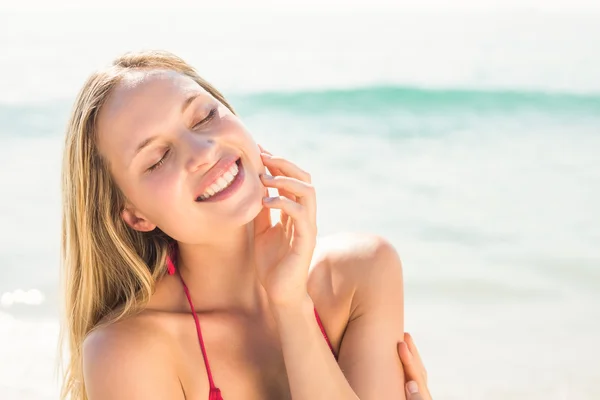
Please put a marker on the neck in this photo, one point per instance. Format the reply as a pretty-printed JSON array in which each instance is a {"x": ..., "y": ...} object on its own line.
[{"x": 221, "y": 275}]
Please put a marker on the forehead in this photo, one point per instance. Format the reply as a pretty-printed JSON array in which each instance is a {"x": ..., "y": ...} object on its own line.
[
  {"x": 142, "y": 104},
  {"x": 138, "y": 84}
]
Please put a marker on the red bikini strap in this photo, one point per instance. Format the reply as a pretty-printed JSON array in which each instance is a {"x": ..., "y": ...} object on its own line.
[
  {"x": 324, "y": 333},
  {"x": 213, "y": 388}
]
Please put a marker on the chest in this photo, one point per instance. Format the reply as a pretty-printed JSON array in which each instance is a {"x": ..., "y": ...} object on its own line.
[{"x": 244, "y": 358}]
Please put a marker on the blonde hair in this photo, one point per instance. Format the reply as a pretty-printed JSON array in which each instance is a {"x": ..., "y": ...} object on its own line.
[{"x": 108, "y": 269}]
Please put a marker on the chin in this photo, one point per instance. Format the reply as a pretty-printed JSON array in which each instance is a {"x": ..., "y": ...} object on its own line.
[{"x": 243, "y": 210}]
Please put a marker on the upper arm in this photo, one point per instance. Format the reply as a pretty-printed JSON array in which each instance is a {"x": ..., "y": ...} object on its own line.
[
  {"x": 128, "y": 364},
  {"x": 368, "y": 353}
]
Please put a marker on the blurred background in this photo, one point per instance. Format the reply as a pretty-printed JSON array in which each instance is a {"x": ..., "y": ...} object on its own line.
[{"x": 466, "y": 132}]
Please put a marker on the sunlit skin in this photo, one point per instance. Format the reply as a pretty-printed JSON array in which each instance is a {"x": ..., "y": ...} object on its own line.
[
  {"x": 254, "y": 282},
  {"x": 167, "y": 171},
  {"x": 160, "y": 181}
]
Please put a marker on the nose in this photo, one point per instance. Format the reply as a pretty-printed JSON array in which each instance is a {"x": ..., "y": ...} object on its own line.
[{"x": 200, "y": 151}]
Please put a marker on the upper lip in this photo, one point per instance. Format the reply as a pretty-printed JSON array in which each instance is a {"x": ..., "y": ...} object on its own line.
[{"x": 215, "y": 173}]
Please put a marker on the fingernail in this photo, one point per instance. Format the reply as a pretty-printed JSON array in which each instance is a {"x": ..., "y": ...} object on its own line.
[
  {"x": 267, "y": 177},
  {"x": 402, "y": 346},
  {"x": 412, "y": 387},
  {"x": 267, "y": 199},
  {"x": 265, "y": 155}
]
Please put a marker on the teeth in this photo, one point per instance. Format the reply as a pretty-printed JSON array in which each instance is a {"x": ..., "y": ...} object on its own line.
[{"x": 222, "y": 183}]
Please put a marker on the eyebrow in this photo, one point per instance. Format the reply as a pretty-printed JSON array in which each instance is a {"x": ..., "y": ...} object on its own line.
[
  {"x": 189, "y": 101},
  {"x": 184, "y": 107},
  {"x": 145, "y": 143}
]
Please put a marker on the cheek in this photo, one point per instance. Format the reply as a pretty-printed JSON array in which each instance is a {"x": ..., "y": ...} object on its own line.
[
  {"x": 158, "y": 195},
  {"x": 253, "y": 153},
  {"x": 237, "y": 133}
]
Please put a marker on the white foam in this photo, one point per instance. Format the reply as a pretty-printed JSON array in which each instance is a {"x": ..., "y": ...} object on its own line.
[{"x": 29, "y": 297}]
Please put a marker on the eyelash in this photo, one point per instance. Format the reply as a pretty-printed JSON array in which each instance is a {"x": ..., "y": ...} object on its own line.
[
  {"x": 209, "y": 117},
  {"x": 160, "y": 162}
]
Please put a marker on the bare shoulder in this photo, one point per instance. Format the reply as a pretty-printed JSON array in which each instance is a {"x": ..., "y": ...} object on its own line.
[
  {"x": 129, "y": 359},
  {"x": 357, "y": 281},
  {"x": 122, "y": 340},
  {"x": 348, "y": 269},
  {"x": 352, "y": 259}
]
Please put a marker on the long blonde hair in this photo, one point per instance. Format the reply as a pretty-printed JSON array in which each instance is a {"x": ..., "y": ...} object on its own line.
[{"x": 108, "y": 269}]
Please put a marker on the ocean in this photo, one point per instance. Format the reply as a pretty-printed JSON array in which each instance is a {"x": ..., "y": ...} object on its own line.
[{"x": 469, "y": 138}]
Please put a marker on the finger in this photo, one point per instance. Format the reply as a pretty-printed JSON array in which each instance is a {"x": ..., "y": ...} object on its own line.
[
  {"x": 411, "y": 343},
  {"x": 296, "y": 211},
  {"x": 276, "y": 172},
  {"x": 308, "y": 200},
  {"x": 292, "y": 208},
  {"x": 405, "y": 355},
  {"x": 286, "y": 167},
  {"x": 412, "y": 391},
  {"x": 411, "y": 369},
  {"x": 412, "y": 347},
  {"x": 263, "y": 150},
  {"x": 289, "y": 225},
  {"x": 262, "y": 222},
  {"x": 304, "y": 192},
  {"x": 283, "y": 217}
]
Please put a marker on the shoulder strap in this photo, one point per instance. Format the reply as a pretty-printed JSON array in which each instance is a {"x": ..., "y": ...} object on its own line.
[
  {"x": 324, "y": 333},
  {"x": 213, "y": 388}
]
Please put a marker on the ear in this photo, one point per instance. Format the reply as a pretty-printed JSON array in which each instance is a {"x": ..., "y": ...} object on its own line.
[{"x": 136, "y": 221}]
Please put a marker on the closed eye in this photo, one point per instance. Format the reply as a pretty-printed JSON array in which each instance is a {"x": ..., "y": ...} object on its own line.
[
  {"x": 160, "y": 162},
  {"x": 208, "y": 118}
]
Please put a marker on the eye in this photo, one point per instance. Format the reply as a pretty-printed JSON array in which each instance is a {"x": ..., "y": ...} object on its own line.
[
  {"x": 208, "y": 118},
  {"x": 160, "y": 162}
]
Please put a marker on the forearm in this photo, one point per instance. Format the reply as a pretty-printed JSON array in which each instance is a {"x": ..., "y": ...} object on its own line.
[{"x": 312, "y": 370}]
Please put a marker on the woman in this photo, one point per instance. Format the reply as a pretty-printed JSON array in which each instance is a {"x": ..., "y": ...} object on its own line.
[{"x": 178, "y": 285}]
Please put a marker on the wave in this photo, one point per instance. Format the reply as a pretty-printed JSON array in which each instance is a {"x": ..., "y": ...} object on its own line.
[
  {"x": 386, "y": 98},
  {"x": 47, "y": 118}
]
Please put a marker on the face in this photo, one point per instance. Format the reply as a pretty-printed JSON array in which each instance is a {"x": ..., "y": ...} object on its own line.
[{"x": 185, "y": 163}]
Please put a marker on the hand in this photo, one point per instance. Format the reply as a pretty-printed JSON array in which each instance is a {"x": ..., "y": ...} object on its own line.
[
  {"x": 283, "y": 252},
  {"x": 414, "y": 370}
]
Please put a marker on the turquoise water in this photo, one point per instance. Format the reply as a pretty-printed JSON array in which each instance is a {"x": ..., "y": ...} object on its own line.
[
  {"x": 395, "y": 99},
  {"x": 481, "y": 166},
  {"x": 491, "y": 198}
]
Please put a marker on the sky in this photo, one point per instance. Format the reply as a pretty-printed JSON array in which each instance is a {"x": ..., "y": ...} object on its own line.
[
  {"x": 49, "y": 47},
  {"x": 318, "y": 5}
]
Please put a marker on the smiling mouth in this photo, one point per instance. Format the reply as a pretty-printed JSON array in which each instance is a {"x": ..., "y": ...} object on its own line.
[{"x": 222, "y": 183}]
